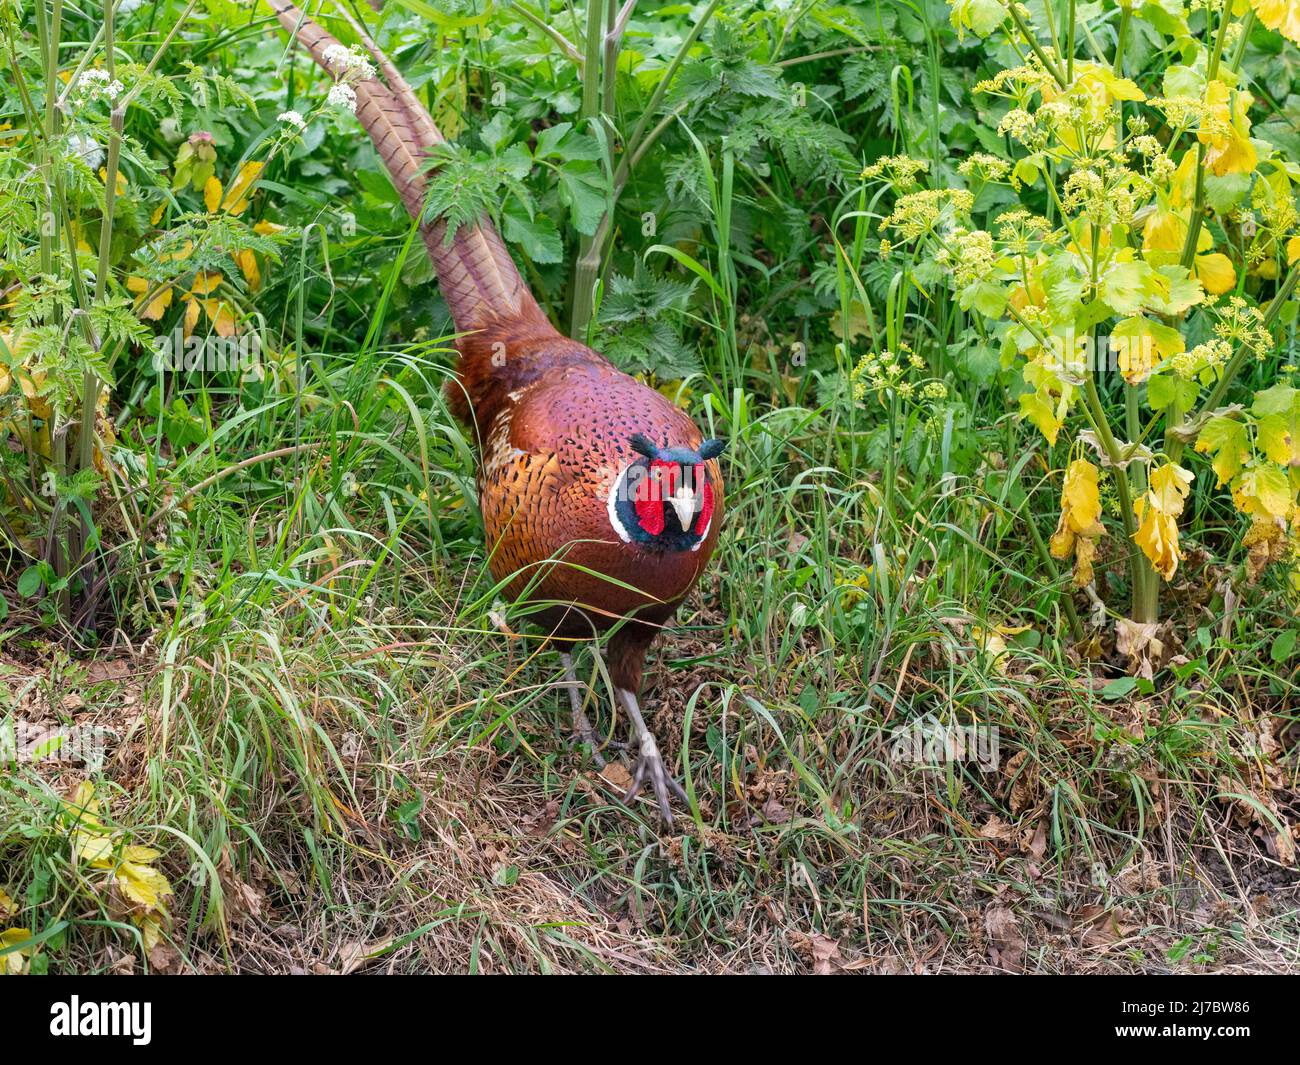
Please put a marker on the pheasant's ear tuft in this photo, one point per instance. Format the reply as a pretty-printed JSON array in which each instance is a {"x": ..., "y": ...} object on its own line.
[
  {"x": 643, "y": 445},
  {"x": 711, "y": 449}
]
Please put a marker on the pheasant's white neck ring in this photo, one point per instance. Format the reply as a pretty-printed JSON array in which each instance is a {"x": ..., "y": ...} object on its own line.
[{"x": 611, "y": 506}]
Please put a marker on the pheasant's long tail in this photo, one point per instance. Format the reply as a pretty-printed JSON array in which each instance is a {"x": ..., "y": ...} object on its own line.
[{"x": 479, "y": 280}]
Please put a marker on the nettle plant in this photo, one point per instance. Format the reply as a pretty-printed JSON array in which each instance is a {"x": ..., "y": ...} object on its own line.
[{"x": 1133, "y": 256}]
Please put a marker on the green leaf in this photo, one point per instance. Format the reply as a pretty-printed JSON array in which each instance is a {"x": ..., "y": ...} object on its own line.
[
  {"x": 987, "y": 297},
  {"x": 1225, "y": 439},
  {"x": 1164, "y": 389},
  {"x": 582, "y": 188},
  {"x": 1118, "y": 688},
  {"x": 1276, "y": 400},
  {"x": 29, "y": 582},
  {"x": 1128, "y": 287},
  {"x": 1224, "y": 193},
  {"x": 1283, "y": 646},
  {"x": 538, "y": 237}
]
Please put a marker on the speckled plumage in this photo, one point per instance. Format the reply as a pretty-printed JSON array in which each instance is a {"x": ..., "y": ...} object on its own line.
[{"x": 555, "y": 424}]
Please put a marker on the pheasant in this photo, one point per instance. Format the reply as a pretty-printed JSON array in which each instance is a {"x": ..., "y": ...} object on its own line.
[{"x": 601, "y": 500}]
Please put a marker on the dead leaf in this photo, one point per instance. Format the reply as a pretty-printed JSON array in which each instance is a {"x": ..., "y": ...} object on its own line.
[
  {"x": 353, "y": 955},
  {"x": 996, "y": 828},
  {"x": 241, "y": 899},
  {"x": 821, "y": 950},
  {"x": 163, "y": 958},
  {"x": 541, "y": 820},
  {"x": 1005, "y": 939},
  {"x": 1035, "y": 842},
  {"x": 616, "y": 773}
]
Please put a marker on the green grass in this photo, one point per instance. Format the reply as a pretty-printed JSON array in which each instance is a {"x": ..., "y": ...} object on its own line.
[{"x": 333, "y": 727}]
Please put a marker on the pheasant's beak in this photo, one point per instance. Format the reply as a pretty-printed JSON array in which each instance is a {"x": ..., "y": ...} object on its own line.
[{"x": 684, "y": 502}]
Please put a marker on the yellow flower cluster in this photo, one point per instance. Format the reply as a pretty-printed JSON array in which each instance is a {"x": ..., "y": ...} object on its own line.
[
  {"x": 917, "y": 213},
  {"x": 1240, "y": 323},
  {"x": 984, "y": 166},
  {"x": 969, "y": 254},
  {"x": 901, "y": 171}
]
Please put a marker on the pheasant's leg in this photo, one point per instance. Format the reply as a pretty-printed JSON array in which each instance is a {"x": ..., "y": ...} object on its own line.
[
  {"x": 581, "y": 726},
  {"x": 649, "y": 763}
]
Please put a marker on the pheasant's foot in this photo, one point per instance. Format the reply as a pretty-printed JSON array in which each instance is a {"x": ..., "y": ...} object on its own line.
[
  {"x": 649, "y": 764},
  {"x": 650, "y": 767},
  {"x": 582, "y": 730}
]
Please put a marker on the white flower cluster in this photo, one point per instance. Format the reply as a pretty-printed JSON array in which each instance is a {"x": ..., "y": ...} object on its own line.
[
  {"x": 348, "y": 64},
  {"x": 95, "y": 85},
  {"x": 343, "y": 97},
  {"x": 292, "y": 118}
]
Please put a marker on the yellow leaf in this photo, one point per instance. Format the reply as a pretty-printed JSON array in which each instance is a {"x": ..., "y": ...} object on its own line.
[
  {"x": 82, "y": 807},
  {"x": 1227, "y": 139},
  {"x": 1143, "y": 346},
  {"x": 992, "y": 641},
  {"x": 192, "y": 312},
  {"x": 1081, "y": 497},
  {"x": 140, "y": 855},
  {"x": 1216, "y": 273},
  {"x": 179, "y": 255},
  {"x": 1080, "y": 524},
  {"x": 1266, "y": 542},
  {"x": 1280, "y": 15},
  {"x": 205, "y": 283},
  {"x": 93, "y": 848},
  {"x": 142, "y": 884},
  {"x": 7, "y": 906},
  {"x": 1042, "y": 413},
  {"x": 241, "y": 189},
  {"x": 1262, "y": 491},
  {"x": 1274, "y": 434},
  {"x": 154, "y": 308},
  {"x": 1169, "y": 487},
  {"x": 221, "y": 316},
  {"x": 13, "y": 962},
  {"x": 1164, "y": 231},
  {"x": 151, "y": 925},
  {"x": 247, "y": 263},
  {"x": 1157, "y": 536},
  {"x": 212, "y": 194},
  {"x": 1085, "y": 550},
  {"x": 121, "y": 179}
]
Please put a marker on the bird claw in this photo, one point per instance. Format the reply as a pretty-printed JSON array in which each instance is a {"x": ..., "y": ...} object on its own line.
[
  {"x": 650, "y": 767},
  {"x": 584, "y": 732}
]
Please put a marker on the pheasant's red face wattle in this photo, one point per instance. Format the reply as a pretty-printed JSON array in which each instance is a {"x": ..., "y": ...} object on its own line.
[
  {"x": 669, "y": 503},
  {"x": 706, "y": 507},
  {"x": 657, "y": 486}
]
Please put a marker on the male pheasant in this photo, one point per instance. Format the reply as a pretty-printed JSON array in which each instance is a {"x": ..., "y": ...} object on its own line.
[{"x": 601, "y": 500}]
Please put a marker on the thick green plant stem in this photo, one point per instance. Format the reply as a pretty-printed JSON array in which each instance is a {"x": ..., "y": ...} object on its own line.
[
  {"x": 591, "y": 249},
  {"x": 1145, "y": 603}
]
